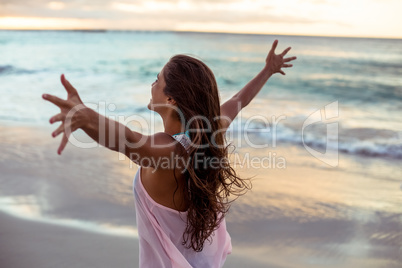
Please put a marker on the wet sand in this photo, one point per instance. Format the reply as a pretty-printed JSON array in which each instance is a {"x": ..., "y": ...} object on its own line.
[
  {"x": 77, "y": 210},
  {"x": 28, "y": 243}
]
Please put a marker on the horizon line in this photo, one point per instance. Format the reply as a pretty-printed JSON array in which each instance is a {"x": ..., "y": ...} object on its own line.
[{"x": 201, "y": 32}]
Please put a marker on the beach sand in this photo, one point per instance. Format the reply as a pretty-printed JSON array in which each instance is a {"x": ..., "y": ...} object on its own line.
[
  {"x": 27, "y": 243},
  {"x": 77, "y": 210}
]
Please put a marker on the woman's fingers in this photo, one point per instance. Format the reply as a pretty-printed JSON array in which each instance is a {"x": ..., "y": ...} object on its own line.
[
  {"x": 285, "y": 51},
  {"x": 55, "y": 100},
  {"x": 64, "y": 140},
  {"x": 63, "y": 143},
  {"x": 57, "y": 118},
  {"x": 287, "y": 65},
  {"x": 282, "y": 72},
  {"x": 289, "y": 59},
  {"x": 69, "y": 88},
  {"x": 59, "y": 130},
  {"x": 71, "y": 102},
  {"x": 274, "y": 44}
]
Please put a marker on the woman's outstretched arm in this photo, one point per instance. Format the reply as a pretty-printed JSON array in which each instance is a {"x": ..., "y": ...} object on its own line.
[
  {"x": 109, "y": 133},
  {"x": 273, "y": 64}
]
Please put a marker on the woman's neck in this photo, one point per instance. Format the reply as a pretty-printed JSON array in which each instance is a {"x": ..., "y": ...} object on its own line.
[{"x": 172, "y": 125}]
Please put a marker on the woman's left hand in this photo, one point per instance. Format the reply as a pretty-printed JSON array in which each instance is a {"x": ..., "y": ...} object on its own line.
[
  {"x": 275, "y": 63},
  {"x": 72, "y": 113}
]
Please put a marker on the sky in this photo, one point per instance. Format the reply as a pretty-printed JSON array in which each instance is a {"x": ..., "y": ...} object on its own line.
[{"x": 351, "y": 18}]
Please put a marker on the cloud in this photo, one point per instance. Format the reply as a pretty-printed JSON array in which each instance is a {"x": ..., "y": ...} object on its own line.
[
  {"x": 340, "y": 17},
  {"x": 224, "y": 11},
  {"x": 54, "y": 9}
]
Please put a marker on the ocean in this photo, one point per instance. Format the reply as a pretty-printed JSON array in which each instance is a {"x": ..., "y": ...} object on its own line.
[
  {"x": 329, "y": 133},
  {"x": 117, "y": 68}
]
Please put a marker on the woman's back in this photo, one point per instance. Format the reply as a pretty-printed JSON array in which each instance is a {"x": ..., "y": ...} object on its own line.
[
  {"x": 168, "y": 186},
  {"x": 161, "y": 231}
]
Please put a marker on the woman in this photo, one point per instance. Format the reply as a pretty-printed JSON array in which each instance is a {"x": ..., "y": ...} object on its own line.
[{"x": 184, "y": 180}]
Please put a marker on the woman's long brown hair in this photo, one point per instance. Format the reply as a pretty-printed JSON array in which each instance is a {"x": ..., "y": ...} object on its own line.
[{"x": 193, "y": 86}]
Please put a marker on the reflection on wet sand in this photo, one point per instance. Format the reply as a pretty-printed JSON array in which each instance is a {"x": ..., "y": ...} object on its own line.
[
  {"x": 28, "y": 208},
  {"x": 310, "y": 216}
]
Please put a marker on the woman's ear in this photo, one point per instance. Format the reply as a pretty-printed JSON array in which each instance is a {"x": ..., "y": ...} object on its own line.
[{"x": 171, "y": 101}]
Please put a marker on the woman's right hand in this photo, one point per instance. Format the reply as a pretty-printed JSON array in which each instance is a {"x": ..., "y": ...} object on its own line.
[
  {"x": 275, "y": 63},
  {"x": 72, "y": 113}
]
